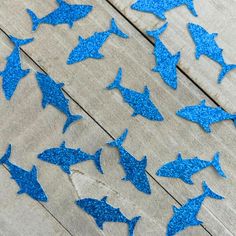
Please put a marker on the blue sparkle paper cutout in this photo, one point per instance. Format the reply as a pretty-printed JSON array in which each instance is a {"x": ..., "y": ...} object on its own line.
[
  {"x": 53, "y": 95},
  {"x": 160, "y": 7},
  {"x": 205, "y": 115},
  {"x": 13, "y": 71},
  {"x": 89, "y": 48},
  {"x": 184, "y": 169},
  {"x": 66, "y": 157},
  {"x": 65, "y": 14},
  {"x": 103, "y": 212},
  {"x": 135, "y": 171},
  {"x": 186, "y": 215},
  {"x": 165, "y": 62},
  {"x": 206, "y": 45},
  {"x": 26, "y": 180},
  {"x": 140, "y": 102}
]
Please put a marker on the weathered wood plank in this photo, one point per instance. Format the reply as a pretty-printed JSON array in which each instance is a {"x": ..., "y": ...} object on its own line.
[
  {"x": 23, "y": 216},
  {"x": 31, "y": 130},
  {"x": 86, "y": 82},
  {"x": 214, "y": 17}
]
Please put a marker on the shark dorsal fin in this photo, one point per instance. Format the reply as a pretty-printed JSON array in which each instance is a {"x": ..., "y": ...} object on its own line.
[
  {"x": 21, "y": 191},
  {"x": 33, "y": 171},
  {"x": 203, "y": 102},
  {"x": 179, "y": 157},
  {"x": 143, "y": 162},
  {"x": 63, "y": 144},
  {"x": 175, "y": 209},
  {"x": 61, "y": 85},
  {"x": 104, "y": 199},
  {"x": 59, "y": 2},
  {"x": 146, "y": 91},
  {"x": 214, "y": 35}
]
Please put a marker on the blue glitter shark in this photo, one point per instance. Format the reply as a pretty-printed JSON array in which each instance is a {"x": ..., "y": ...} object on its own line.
[
  {"x": 186, "y": 215},
  {"x": 184, "y": 169},
  {"x": 65, "y": 157},
  {"x": 102, "y": 212},
  {"x": 65, "y": 14},
  {"x": 166, "y": 62},
  {"x": 135, "y": 170},
  {"x": 26, "y": 180},
  {"x": 206, "y": 45},
  {"x": 89, "y": 48},
  {"x": 140, "y": 102},
  {"x": 160, "y": 7},
  {"x": 205, "y": 115},
  {"x": 53, "y": 95},
  {"x": 13, "y": 71}
]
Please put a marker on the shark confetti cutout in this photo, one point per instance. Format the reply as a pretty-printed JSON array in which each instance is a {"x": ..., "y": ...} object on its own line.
[
  {"x": 26, "y": 180},
  {"x": 166, "y": 62},
  {"x": 160, "y": 7},
  {"x": 135, "y": 171},
  {"x": 140, "y": 102},
  {"x": 206, "y": 45},
  {"x": 102, "y": 212},
  {"x": 53, "y": 95},
  {"x": 205, "y": 115},
  {"x": 186, "y": 215},
  {"x": 89, "y": 48},
  {"x": 66, "y": 157},
  {"x": 184, "y": 169},
  {"x": 65, "y": 14},
  {"x": 13, "y": 71}
]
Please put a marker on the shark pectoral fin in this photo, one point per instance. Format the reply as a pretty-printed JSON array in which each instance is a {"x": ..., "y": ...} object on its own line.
[
  {"x": 143, "y": 162},
  {"x": 21, "y": 191},
  {"x": 44, "y": 103},
  {"x": 206, "y": 127},
  {"x": 70, "y": 24},
  {"x": 63, "y": 144},
  {"x": 203, "y": 102},
  {"x": 99, "y": 224},
  {"x": 197, "y": 54},
  {"x": 196, "y": 222},
  {"x": 160, "y": 14},
  {"x": 59, "y": 2},
  {"x": 66, "y": 169},
  {"x": 187, "y": 179},
  {"x": 60, "y": 85},
  {"x": 125, "y": 178},
  {"x": 175, "y": 209},
  {"x": 34, "y": 171},
  {"x": 179, "y": 157},
  {"x": 81, "y": 39},
  {"x": 214, "y": 35},
  {"x": 97, "y": 55}
]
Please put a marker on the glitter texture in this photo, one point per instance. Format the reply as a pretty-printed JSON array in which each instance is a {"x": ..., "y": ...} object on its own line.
[
  {"x": 89, "y": 48},
  {"x": 160, "y": 7},
  {"x": 102, "y": 212},
  {"x": 135, "y": 170},
  {"x": 140, "y": 102},
  {"x": 26, "y": 180},
  {"x": 185, "y": 168},
  {"x": 64, "y": 14},
  {"x": 53, "y": 95},
  {"x": 66, "y": 157},
  {"x": 13, "y": 72},
  {"x": 205, "y": 115},
  {"x": 206, "y": 45},
  {"x": 165, "y": 61},
  {"x": 186, "y": 215}
]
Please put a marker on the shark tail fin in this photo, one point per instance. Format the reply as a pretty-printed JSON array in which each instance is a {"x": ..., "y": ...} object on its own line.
[
  {"x": 156, "y": 33},
  {"x": 132, "y": 225},
  {"x": 216, "y": 165},
  {"x": 34, "y": 18},
  {"x": 116, "y": 82},
  {"x": 70, "y": 120},
  {"x": 6, "y": 156},
  {"x": 225, "y": 69},
  {"x": 118, "y": 142},
  {"x": 97, "y": 158},
  {"x": 190, "y": 6},
  {"x": 208, "y": 192},
  {"x": 114, "y": 29},
  {"x": 20, "y": 42}
]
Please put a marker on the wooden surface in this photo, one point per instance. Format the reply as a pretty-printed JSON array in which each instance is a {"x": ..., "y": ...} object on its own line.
[{"x": 31, "y": 129}]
